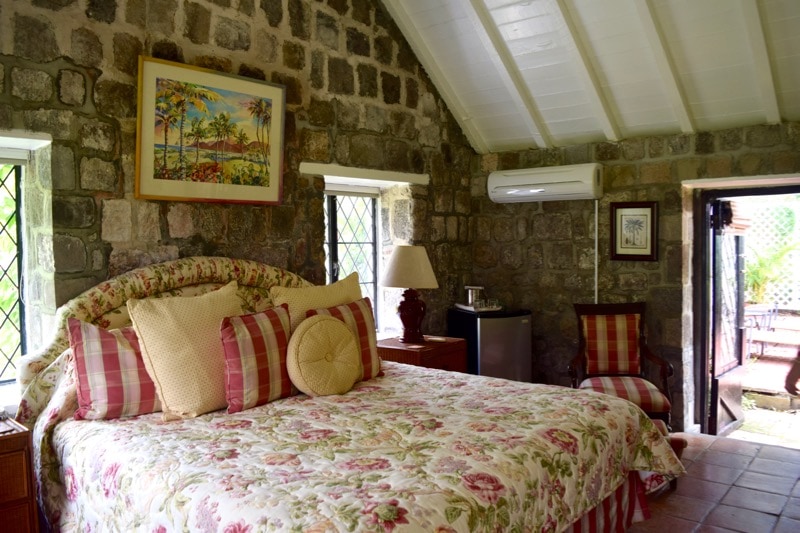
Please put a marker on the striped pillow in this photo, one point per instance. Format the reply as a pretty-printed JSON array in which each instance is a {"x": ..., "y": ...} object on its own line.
[
  {"x": 255, "y": 358},
  {"x": 612, "y": 344},
  {"x": 112, "y": 379},
  {"x": 358, "y": 316}
]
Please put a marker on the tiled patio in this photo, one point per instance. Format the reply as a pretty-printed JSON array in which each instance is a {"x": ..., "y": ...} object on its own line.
[{"x": 731, "y": 485}]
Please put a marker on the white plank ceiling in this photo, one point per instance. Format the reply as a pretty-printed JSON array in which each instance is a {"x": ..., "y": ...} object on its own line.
[{"x": 521, "y": 74}]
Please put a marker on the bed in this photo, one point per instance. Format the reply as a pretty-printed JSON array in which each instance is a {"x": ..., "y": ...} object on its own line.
[{"x": 404, "y": 448}]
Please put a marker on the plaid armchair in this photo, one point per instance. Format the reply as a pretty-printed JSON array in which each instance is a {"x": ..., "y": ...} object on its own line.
[{"x": 611, "y": 352}]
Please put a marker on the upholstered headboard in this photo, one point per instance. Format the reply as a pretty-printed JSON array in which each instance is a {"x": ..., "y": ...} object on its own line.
[{"x": 104, "y": 304}]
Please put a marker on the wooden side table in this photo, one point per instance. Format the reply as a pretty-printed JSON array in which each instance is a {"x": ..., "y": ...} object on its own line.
[
  {"x": 449, "y": 353},
  {"x": 18, "y": 510}
]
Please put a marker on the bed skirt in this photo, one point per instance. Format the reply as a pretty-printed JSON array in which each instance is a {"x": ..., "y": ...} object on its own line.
[{"x": 626, "y": 505}]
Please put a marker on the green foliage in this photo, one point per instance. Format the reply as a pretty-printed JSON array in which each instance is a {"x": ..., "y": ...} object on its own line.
[{"x": 765, "y": 266}]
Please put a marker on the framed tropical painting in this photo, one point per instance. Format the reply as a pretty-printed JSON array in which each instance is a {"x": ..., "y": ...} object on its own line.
[
  {"x": 207, "y": 137},
  {"x": 634, "y": 230}
]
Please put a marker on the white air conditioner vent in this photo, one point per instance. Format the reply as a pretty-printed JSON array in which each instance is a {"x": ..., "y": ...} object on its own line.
[{"x": 572, "y": 182}]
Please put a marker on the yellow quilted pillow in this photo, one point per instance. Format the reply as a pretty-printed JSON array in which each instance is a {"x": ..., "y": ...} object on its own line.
[
  {"x": 323, "y": 357},
  {"x": 182, "y": 350},
  {"x": 302, "y": 299}
]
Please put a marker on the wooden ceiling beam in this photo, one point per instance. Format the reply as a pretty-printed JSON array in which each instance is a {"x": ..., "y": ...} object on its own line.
[
  {"x": 665, "y": 65},
  {"x": 754, "y": 31}
]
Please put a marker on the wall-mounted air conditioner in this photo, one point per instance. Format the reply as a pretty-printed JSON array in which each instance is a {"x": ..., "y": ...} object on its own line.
[{"x": 571, "y": 182}]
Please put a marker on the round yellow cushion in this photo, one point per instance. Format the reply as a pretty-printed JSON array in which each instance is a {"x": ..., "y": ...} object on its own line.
[{"x": 323, "y": 356}]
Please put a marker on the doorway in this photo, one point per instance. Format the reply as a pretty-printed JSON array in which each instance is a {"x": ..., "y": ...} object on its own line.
[{"x": 726, "y": 317}]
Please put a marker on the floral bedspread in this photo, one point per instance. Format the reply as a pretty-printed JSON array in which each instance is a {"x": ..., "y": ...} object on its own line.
[{"x": 415, "y": 450}]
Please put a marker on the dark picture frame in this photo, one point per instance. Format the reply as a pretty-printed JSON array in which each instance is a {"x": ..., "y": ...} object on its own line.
[
  {"x": 204, "y": 136},
  {"x": 634, "y": 231}
]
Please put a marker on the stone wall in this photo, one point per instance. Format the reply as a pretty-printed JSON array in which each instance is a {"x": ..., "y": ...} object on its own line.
[
  {"x": 355, "y": 95},
  {"x": 540, "y": 256}
]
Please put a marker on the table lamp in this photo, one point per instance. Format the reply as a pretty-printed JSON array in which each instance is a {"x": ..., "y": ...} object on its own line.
[{"x": 410, "y": 268}]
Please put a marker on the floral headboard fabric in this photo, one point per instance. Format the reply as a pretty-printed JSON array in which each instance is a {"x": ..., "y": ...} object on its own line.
[{"x": 104, "y": 305}]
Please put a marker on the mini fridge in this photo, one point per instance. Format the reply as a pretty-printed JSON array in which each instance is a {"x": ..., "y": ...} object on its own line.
[{"x": 498, "y": 342}]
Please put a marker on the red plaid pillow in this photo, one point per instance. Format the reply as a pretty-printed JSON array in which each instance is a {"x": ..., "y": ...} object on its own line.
[
  {"x": 612, "y": 345},
  {"x": 112, "y": 379},
  {"x": 255, "y": 358},
  {"x": 358, "y": 316}
]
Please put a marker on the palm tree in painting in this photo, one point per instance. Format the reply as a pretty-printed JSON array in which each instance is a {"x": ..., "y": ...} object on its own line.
[
  {"x": 166, "y": 117},
  {"x": 221, "y": 128},
  {"x": 633, "y": 225},
  {"x": 198, "y": 131},
  {"x": 242, "y": 140},
  {"x": 182, "y": 96},
  {"x": 261, "y": 110}
]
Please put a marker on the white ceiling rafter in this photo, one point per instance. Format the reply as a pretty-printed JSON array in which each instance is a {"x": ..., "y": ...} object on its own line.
[
  {"x": 527, "y": 74},
  {"x": 665, "y": 65},
  {"x": 415, "y": 39},
  {"x": 761, "y": 61},
  {"x": 586, "y": 72},
  {"x": 487, "y": 31}
]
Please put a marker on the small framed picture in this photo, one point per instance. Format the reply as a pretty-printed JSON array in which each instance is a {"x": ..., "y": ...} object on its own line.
[
  {"x": 634, "y": 231},
  {"x": 207, "y": 137}
]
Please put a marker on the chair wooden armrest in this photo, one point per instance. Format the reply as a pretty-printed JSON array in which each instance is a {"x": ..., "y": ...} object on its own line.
[
  {"x": 576, "y": 370},
  {"x": 665, "y": 371}
]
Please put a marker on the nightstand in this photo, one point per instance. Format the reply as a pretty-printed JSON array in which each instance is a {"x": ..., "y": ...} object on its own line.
[
  {"x": 17, "y": 493},
  {"x": 449, "y": 353}
]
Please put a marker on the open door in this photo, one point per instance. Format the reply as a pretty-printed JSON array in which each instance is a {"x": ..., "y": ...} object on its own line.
[{"x": 726, "y": 319}]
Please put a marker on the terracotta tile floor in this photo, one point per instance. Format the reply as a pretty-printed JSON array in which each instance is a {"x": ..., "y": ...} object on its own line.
[{"x": 730, "y": 485}]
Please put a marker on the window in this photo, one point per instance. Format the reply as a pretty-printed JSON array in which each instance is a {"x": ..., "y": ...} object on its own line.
[
  {"x": 12, "y": 315},
  {"x": 351, "y": 241}
]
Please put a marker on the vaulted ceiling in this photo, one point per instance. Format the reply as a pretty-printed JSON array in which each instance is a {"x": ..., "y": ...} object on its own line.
[{"x": 520, "y": 74}]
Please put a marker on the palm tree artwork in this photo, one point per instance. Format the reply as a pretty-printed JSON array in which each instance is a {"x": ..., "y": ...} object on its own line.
[
  {"x": 203, "y": 135},
  {"x": 633, "y": 231}
]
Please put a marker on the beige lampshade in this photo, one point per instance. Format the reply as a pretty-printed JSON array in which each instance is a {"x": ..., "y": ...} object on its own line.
[{"x": 409, "y": 268}]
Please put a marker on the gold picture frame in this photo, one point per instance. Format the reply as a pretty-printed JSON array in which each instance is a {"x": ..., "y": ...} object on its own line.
[
  {"x": 207, "y": 137},
  {"x": 634, "y": 231}
]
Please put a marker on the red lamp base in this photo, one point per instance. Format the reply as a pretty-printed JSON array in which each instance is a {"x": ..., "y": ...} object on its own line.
[{"x": 411, "y": 311}]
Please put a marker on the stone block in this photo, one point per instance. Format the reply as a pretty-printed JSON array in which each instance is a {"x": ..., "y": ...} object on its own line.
[
  {"x": 299, "y": 19},
  {"x": 390, "y": 85},
  {"x": 551, "y": 226},
  {"x": 124, "y": 260},
  {"x": 97, "y": 136},
  {"x": 402, "y": 125},
  {"x": 632, "y": 149},
  {"x": 180, "y": 223},
  {"x": 327, "y": 31},
  {"x": 652, "y": 173},
  {"x": 71, "y": 87},
  {"x": 266, "y": 46},
  {"x": 316, "y": 145},
  {"x": 34, "y": 38},
  {"x": 321, "y": 113},
  {"x": 367, "y": 80},
  {"x": 341, "y": 79},
  {"x": 452, "y": 228},
  {"x": 376, "y": 119},
  {"x": 606, "y": 151},
  {"x": 31, "y": 85},
  {"x": 362, "y": 11},
  {"x": 198, "y": 23},
  {"x": 232, "y": 34},
  {"x": 135, "y": 12},
  {"x": 438, "y": 231},
  {"x": 367, "y": 151},
  {"x": 689, "y": 169},
  {"x": 384, "y": 49},
  {"x": 63, "y": 168},
  {"x": 86, "y": 47},
  {"x": 406, "y": 58},
  {"x": 294, "y": 55},
  {"x": 69, "y": 288},
  {"x": 763, "y": 136},
  {"x": 294, "y": 87},
  {"x": 357, "y": 43},
  {"x": 719, "y": 166},
  {"x": 148, "y": 226},
  {"x": 317, "y": 69},
  {"x": 44, "y": 252},
  {"x": 56, "y": 122},
  {"x": 703, "y": 144},
  {"x": 161, "y": 18},
  {"x": 250, "y": 71},
  {"x": 116, "y": 226},
  {"x": 73, "y": 211},
  {"x": 69, "y": 253},
  {"x": 116, "y": 99},
  {"x": 412, "y": 93},
  {"x": 127, "y": 49},
  {"x": 98, "y": 175}
]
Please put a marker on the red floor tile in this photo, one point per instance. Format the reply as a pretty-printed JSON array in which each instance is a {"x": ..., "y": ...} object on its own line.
[
  {"x": 775, "y": 468},
  {"x": 730, "y": 460},
  {"x": 712, "y": 472},
  {"x": 787, "y": 525},
  {"x": 765, "y": 482},
  {"x": 755, "y": 500},
  {"x": 679, "y": 506},
  {"x": 700, "y": 489},
  {"x": 738, "y": 519},
  {"x": 736, "y": 446},
  {"x": 779, "y": 453},
  {"x": 792, "y": 509},
  {"x": 662, "y": 523}
]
